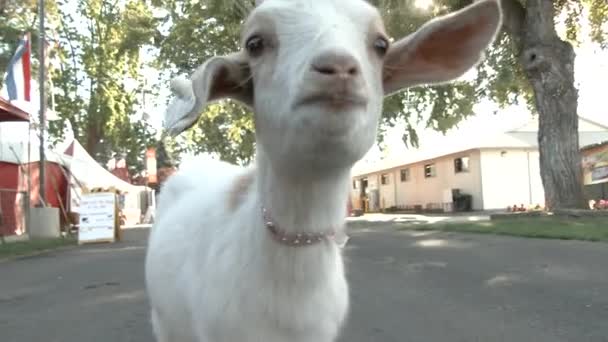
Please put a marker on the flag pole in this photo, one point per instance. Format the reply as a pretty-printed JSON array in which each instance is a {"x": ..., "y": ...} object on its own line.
[
  {"x": 41, "y": 81},
  {"x": 28, "y": 202}
]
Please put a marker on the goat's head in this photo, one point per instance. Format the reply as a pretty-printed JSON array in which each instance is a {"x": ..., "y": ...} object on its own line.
[{"x": 315, "y": 73}]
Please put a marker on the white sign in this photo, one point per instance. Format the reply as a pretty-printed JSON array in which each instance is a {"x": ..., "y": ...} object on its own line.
[{"x": 97, "y": 217}]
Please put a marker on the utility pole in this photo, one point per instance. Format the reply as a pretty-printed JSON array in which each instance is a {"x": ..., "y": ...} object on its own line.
[{"x": 41, "y": 81}]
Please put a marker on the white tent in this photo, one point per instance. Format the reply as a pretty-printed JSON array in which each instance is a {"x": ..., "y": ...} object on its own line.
[
  {"x": 87, "y": 172},
  {"x": 90, "y": 173},
  {"x": 83, "y": 171},
  {"x": 82, "y": 166}
]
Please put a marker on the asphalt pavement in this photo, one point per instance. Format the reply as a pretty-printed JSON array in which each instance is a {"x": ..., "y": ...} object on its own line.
[{"x": 405, "y": 286}]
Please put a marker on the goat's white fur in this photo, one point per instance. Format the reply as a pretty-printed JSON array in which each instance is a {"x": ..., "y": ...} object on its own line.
[{"x": 213, "y": 273}]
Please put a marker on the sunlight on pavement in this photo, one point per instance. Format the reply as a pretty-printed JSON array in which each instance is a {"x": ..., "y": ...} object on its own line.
[
  {"x": 414, "y": 233},
  {"x": 431, "y": 243},
  {"x": 475, "y": 218},
  {"x": 503, "y": 280},
  {"x": 416, "y": 218},
  {"x": 119, "y": 297},
  {"x": 436, "y": 243},
  {"x": 112, "y": 249}
]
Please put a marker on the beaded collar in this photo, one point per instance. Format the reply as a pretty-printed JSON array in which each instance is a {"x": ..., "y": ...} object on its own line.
[{"x": 294, "y": 239}]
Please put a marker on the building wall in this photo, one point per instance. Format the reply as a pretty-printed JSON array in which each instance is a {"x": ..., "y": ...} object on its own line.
[
  {"x": 388, "y": 190},
  {"x": 510, "y": 177},
  {"x": 496, "y": 180},
  {"x": 13, "y": 188},
  {"x": 419, "y": 190}
]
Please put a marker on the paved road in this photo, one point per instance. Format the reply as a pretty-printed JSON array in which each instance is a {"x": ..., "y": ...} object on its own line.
[{"x": 405, "y": 287}]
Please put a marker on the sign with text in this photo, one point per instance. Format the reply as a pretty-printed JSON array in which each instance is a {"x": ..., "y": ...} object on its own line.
[
  {"x": 97, "y": 217},
  {"x": 595, "y": 165}
]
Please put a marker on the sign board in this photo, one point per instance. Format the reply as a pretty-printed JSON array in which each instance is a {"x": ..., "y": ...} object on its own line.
[
  {"x": 595, "y": 165},
  {"x": 97, "y": 217},
  {"x": 599, "y": 174}
]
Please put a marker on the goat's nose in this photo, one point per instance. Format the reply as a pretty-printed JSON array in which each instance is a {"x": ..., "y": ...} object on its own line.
[{"x": 336, "y": 64}]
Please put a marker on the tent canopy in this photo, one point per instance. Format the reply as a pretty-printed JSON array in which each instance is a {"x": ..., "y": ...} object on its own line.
[
  {"x": 81, "y": 165},
  {"x": 89, "y": 172}
]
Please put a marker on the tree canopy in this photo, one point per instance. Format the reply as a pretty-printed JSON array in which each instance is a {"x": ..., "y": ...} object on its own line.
[
  {"x": 201, "y": 29},
  {"x": 97, "y": 80},
  {"x": 101, "y": 59},
  {"x": 527, "y": 50},
  {"x": 95, "y": 69}
]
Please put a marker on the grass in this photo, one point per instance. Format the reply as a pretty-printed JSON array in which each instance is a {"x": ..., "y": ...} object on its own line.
[
  {"x": 22, "y": 248},
  {"x": 586, "y": 229}
]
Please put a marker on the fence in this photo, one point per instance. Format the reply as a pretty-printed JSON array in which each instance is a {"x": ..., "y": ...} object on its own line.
[{"x": 12, "y": 212}]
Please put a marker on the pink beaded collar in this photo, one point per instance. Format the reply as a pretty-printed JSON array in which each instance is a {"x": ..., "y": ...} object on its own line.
[{"x": 294, "y": 239}]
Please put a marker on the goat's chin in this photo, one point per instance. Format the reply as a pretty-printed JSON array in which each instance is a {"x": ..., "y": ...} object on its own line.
[
  {"x": 333, "y": 146},
  {"x": 318, "y": 157},
  {"x": 316, "y": 166},
  {"x": 313, "y": 142},
  {"x": 328, "y": 123}
]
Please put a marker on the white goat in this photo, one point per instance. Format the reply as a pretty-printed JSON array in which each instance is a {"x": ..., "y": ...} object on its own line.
[{"x": 249, "y": 254}]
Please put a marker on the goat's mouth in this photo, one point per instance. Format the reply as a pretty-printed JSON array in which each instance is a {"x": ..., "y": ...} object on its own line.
[{"x": 339, "y": 101}]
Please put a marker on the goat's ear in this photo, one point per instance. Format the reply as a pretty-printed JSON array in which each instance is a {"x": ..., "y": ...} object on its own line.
[
  {"x": 442, "y": 49},
  {"x": 219, "y": 78}
]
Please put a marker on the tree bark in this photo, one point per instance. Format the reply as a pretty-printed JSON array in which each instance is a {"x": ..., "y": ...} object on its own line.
[
  {"x": 548, "y": 63},
  {"x": 93, "y": 129}
]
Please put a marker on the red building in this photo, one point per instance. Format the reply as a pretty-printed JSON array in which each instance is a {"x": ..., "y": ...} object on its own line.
[{"x": 14, "y": 171}]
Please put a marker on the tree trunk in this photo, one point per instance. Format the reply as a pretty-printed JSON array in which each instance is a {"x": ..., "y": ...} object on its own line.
[
  {"x": 548, "y": 62},
  {"x": 93, "y": 129},
  {"x": 92, "y": 142}
]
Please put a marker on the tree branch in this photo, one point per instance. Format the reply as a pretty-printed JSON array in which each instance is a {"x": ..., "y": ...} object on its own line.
[
  {"x": 542, "y": 45},
  {"x": 539, "y": 20},
  {"x": 514, "y": 15}
]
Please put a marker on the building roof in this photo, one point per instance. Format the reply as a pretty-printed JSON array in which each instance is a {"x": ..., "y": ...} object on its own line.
[
  {"x": 592, "y": 146},
  {"x": 585, "y": 125},
  {"x": 9, "y": 112},
  {"x": 450, "y": 145},
  {"x": 523, "y": 136}
]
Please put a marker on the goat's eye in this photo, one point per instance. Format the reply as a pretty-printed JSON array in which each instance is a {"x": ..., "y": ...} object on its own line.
[
  {"x": 255, "y": 46},
  {"x": 381, "y": 45}
]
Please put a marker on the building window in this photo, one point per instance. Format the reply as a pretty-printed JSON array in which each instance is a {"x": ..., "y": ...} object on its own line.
[
  {"x": 405, "y": 175},
  {"x": 384, "y": 179},
  {"x": 354, "y": 185},
  {"x": 461, "y": 164},
  {"x": 429, "y": 171}
]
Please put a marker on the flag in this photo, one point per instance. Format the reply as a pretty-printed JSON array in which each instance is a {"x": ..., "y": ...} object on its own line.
[{"x": 18, "y": 76}]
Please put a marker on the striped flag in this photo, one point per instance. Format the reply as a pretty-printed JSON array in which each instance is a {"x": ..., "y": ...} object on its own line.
[{"x": 18, "y": 76}]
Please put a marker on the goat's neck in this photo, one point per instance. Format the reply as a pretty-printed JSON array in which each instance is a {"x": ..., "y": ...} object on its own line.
[{"x": 303, "y": 204}]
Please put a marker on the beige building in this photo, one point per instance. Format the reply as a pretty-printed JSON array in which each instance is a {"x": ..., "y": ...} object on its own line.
[{"x": 492, "y": 170}]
